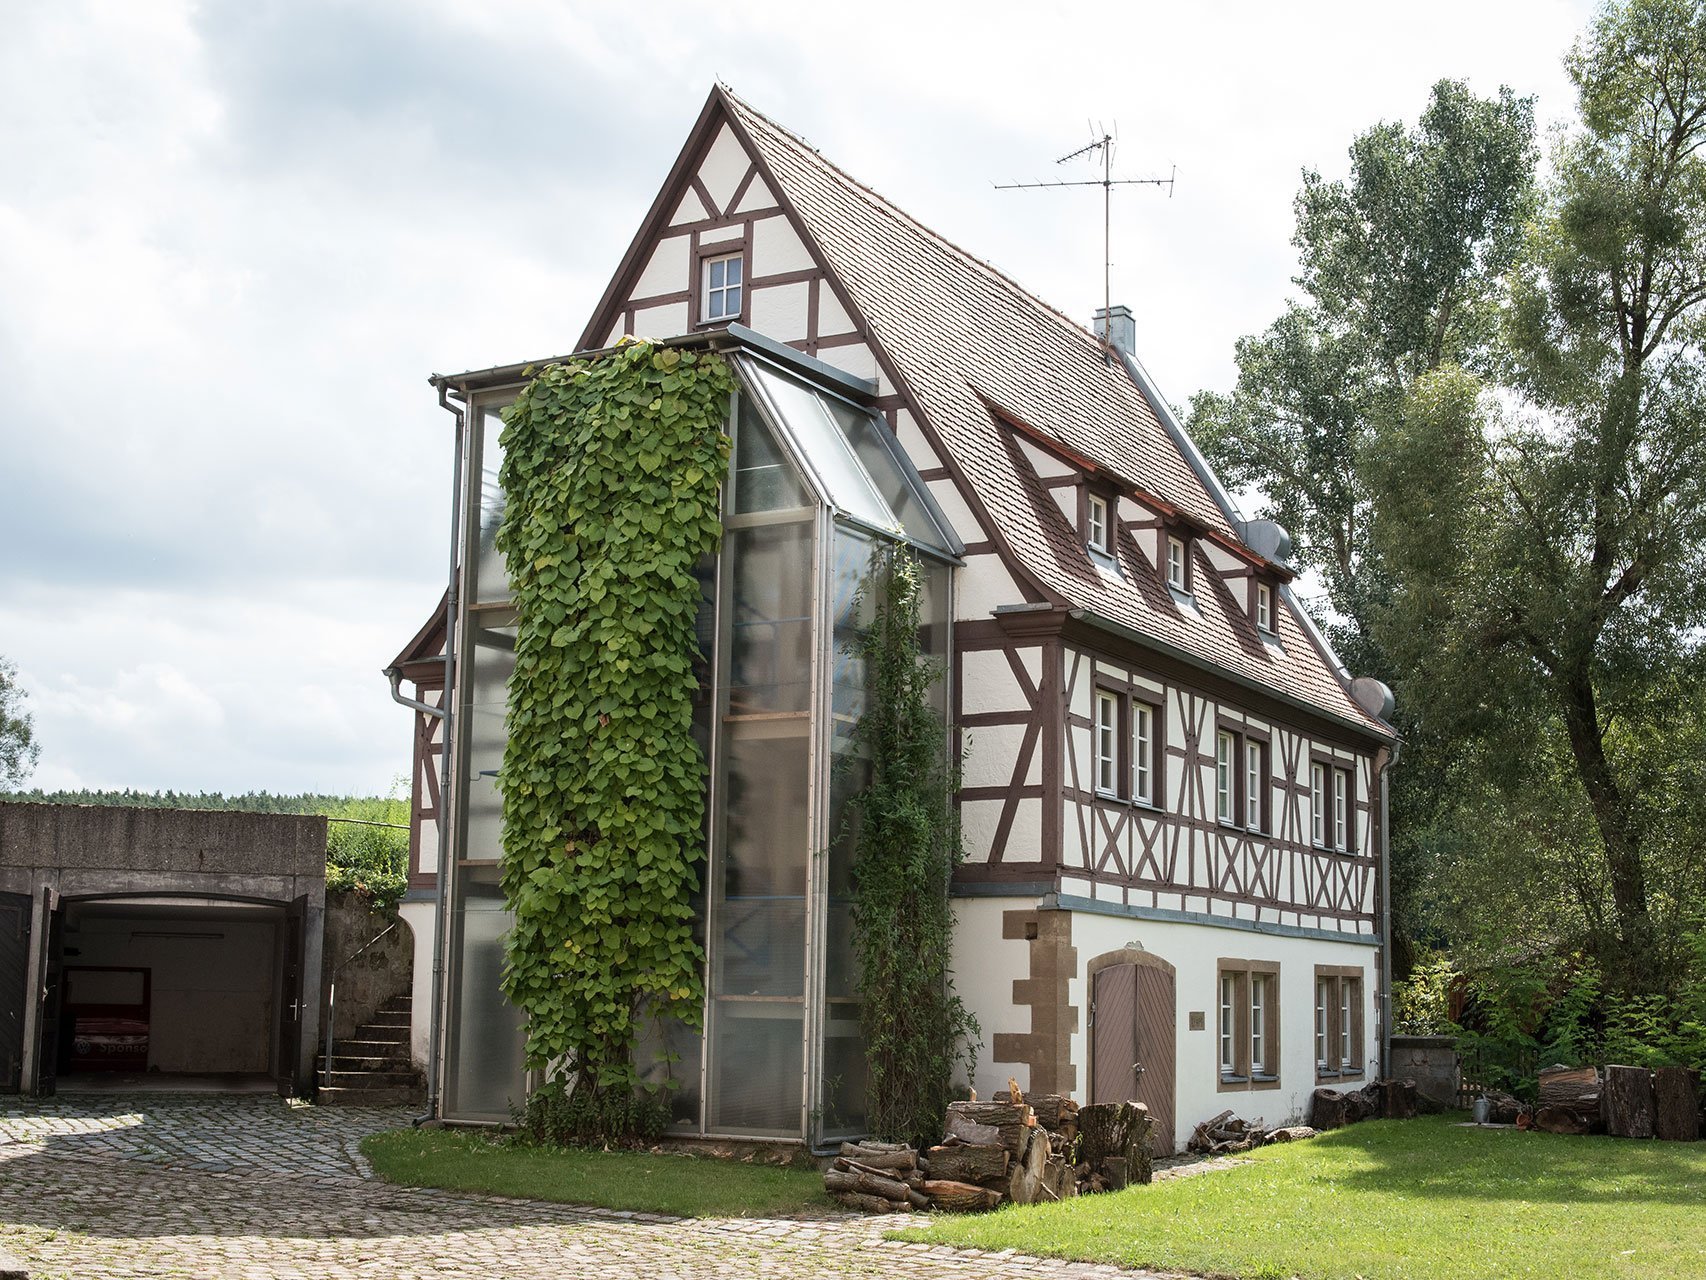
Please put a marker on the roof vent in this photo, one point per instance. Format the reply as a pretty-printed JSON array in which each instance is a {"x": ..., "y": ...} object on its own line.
[
  {"x": 1115, "y": 326},
  {"x": 1373, "y": 697},
  {"x": 1266, "y": 539}
]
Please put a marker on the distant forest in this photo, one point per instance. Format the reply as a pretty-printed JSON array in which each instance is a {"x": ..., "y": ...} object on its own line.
[{"x": 247, "y": 802}]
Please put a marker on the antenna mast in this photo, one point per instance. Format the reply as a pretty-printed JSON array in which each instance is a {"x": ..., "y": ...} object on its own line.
[{"x": 1105, "y": 145}]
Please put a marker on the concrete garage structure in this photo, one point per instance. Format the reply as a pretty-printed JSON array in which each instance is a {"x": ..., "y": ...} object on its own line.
[{"x": 159, "y": 942}]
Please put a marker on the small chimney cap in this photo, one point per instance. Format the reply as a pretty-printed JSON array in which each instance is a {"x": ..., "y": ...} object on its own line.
[{"x": 1115, "y": 326}]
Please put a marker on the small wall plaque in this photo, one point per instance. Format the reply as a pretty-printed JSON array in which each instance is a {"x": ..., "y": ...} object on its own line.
[{"x": 1199, "y": 1020}]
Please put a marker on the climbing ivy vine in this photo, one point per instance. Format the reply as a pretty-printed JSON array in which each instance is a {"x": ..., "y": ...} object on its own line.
[
  {"x": 612, "y": 467},
  {"x": 907, "y": 842}
]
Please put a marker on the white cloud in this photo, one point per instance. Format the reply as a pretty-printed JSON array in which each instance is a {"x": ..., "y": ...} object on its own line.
[{"x": 235, "y": 238}]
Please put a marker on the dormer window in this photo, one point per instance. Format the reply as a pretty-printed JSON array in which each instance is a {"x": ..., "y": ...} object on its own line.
[
  {"x": 1098, "y": 532},
  {"x": 1178, "y": 565},
  {"x": 720, "y": 298},
  {"x": 1264, "y": 607}
]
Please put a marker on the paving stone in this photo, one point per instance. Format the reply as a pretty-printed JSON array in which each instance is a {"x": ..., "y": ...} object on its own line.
[{"x": 259, "y": 1189}]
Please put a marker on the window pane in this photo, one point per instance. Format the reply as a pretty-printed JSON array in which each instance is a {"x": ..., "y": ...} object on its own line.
[
  {"x": 764, "y": 479},
  {"x": 1322, "y": 1004},
  {"x": 1107, "y": 727},
  {"x": 825, "y": 449},
  {"x": 875, "y": 449},
  {"x": 491, "y": 577},
  {"x": 1223, "y": 777},
  {"x": 1228, "y": 1013},
  {"x": 1258, "y": 1024},
  {"x": 1318, "y": 803},
  {"x": 487, "y": 665},
  {"x": 1255, "y": 785},
  {"x": 769, "y": 623},
  {"x": 756, "y": 1066},
  {"x": 760, "y": 915},
  {"x": 1143, "y": 746},
  {"x": 484, "y": 1054}
]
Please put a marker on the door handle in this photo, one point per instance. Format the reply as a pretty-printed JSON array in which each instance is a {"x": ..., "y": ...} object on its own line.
[{"x": 1137, "y": 1067}]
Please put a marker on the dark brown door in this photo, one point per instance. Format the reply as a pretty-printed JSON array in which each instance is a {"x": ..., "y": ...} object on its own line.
[
  {"x": 14, "y": 986},
  {"x": 48, "y": 1037},
  {"x": 1132, "y": 1042},
  {"x": 290, "y": 1003}
]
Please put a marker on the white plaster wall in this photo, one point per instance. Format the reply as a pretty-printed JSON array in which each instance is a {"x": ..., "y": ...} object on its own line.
[
  {"x": 775, "y": 248},
  {"x": 983, "y": 584},
  {"x": 421, "y": 918},
  {"x": 986, "y": 966},
  {"x": 1194, "y": 950},
  {"x": 991, "y": 751},
  {"x": 987, "y": 683},
  {"x": 780, "y": 311},
  {"x": 725, "y": 165},
  {"x": 667, "y": 321},
  {"x": 667, "y": 269},
  {"x": 832, "y": 317},
  {"x": 947, "y": 496},
  {"x": 978, "y": 821}
]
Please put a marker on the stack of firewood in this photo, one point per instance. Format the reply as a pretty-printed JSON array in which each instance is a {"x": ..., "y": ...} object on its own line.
[
  {"x": 1226, "y": 1135},
  {"x": 1017, "y": 1149}
]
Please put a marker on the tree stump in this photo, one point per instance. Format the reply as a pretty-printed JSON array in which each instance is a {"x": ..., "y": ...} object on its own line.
[
  {"x": 968, "y": 1162},
  {"x": 1574, "y": 1089},
  {"x": 960, "y": 1197},
  {"x": 1030, "y": 1171},
  {"x": 1328, "y": 1110},
  {"x": 1677, "y": 1094},
  {"x": 1628, "y": 1103},
  {"x": 1399, "y": 1099},
  {"x": 1122, "y": 1130}
]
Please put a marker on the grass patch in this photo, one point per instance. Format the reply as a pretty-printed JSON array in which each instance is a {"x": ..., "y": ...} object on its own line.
[
  {"x": 1391, "y": 1200},
  {"x": 687, "y": 1186}
]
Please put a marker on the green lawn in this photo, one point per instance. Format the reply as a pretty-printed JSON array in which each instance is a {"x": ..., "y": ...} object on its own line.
[
  {"x": 462, "y": 1160},
  {"x": 1419, "y": 1199}
]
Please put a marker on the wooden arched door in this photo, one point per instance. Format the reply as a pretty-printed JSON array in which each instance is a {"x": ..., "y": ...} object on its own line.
[{"x": 1133, "y": 1033}]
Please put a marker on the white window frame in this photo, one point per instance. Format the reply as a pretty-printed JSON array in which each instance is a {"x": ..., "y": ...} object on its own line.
[
  {"x": 1143, "y": 751},
  {"x": 714, "y": 299},
  {"x": 1341, "y": 810},
  {"x": 1349, "y": 993},
  {"x": 1259, "y": 1025},
  {"x": 1264, "y": 607},
  {"x": 1225, "y": 744},
  {"x": 1322, "y": 986},
  {"x": 1178, "y": 572},
  {"x": 1255, "y": 783},
  {"x": 1107, "y": 745},
  {"x": 1096, "y": 526},
  {"x": 1228, "y": 1024},
  {"x": 1318, "y": 803}
]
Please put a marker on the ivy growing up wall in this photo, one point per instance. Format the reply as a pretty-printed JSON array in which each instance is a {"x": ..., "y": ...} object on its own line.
[{"x": 612, "y": 468}]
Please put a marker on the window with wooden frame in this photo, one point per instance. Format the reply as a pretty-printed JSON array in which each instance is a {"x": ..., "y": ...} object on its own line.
[
  {"x": 1249, "y": 1023},
  {"x": 1107, "y": 731},
  {"x": 1264, "y": 608},
  {"x": 1098, "y": 525},
  {"x": 722, "y": 286},
  {"x": 1225, "y": 776},
  {"x": 1338, "y": 1021},
  {"x": 1145, "y": 753},
  {"x": 1256, "y": 788},
  {"x": 1178, "y": 564},
  {"x": 1318, "y": 804}
]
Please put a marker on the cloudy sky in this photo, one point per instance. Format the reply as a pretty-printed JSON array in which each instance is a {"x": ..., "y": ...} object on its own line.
[{"x": 236, "y": 237}]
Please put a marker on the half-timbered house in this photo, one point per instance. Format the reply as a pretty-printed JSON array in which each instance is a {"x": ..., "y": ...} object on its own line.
[{"x": 1173, "y": 793}]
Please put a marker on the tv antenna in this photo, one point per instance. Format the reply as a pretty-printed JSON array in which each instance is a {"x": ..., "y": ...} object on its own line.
[{"x": 1104, "y": 145}]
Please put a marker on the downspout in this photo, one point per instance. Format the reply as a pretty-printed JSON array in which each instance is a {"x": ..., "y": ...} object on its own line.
[
  {"x": 1386, "y": 908},
  {"x": 443, "y": 712}
]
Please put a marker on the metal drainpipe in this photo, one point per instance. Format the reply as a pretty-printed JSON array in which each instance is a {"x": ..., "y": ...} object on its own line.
[
  {"x": 443, "y": 713},
  {"x": 1386, "y": 908}
]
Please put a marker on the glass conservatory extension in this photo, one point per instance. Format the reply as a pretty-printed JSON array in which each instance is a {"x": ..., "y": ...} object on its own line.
[{"x": 816, "y": 483}]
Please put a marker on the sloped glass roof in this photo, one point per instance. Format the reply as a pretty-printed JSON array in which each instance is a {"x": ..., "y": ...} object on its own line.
[{"x": 854, "y": 462}]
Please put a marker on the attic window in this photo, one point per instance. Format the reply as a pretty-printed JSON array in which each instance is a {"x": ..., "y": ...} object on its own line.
[
  {"x": 1096, "y": 527},
  {"x": 1264, "y": 607},
  {"x": 1178, "y": 565},
  {"x": 721, "y": 299}
]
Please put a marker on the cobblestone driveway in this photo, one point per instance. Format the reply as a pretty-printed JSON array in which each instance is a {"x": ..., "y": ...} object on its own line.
[{"x": 257, "y": 1189}]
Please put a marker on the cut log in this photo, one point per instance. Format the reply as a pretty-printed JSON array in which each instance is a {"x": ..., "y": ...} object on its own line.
[
  {"x": 969, "y": 1162},
  {"x": 1399, "y": 1099},
  {"x": 1504, "y": 1109},
  {"x": 1124, "y": 1130},
  {"x": 1015, "y": 1095},
  {"x": 1364, "y": 1103},
  {"x": 1328, "y": 1110},
  {"x": 884, "y": 1156},
  {"x": 1628, "y": 1103},
  {"x": 1677, "y": 1095},
  {"x": 1561, "y": 1120},
  {"x": 1574, "y": 1089},
  {"x": 960, "y": 1197},
  {"x": 1029, "y": 1172},
  {"x": 1013, "y": 1122},
  {"x": 967, "y": 1130},
  {"x": 1050, "y": 1109},
  {"x": 1291, "y": 1133},
  {"x": 1059, "y": 1178},
  {"x": 1115, "y": 1170},
  {"x": 861, "y": 1183}
]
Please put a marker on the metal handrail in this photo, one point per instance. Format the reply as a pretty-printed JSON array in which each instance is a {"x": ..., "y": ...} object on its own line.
[{"x": 332, "y": 1000}]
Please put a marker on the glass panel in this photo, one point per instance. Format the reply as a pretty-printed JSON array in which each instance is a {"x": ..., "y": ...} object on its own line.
[
  {"x": 485, "y": 1051},
  {"x": 872, "y": 444},
  {"x": 493, "y": 658},
  {"x": 761, "y": 912},
  {"x": 491, "y": 577},
  {"x": 769, "y": 618},
  {"x": 764, "y": 479},
  {"x": 849, "y": 773},
  {"x": 844, "y": 1072},
  {"x": 667, "y": 1054},
  {"x": 757, "y": 1065},
  {"x": 823, "y": 448}
]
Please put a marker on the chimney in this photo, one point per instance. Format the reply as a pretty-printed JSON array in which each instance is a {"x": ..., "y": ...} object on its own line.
[{"x": 1115, "y": 326}]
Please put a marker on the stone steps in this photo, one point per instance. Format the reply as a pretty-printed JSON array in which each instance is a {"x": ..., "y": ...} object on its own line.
[{"x": 372, "y": 1068}]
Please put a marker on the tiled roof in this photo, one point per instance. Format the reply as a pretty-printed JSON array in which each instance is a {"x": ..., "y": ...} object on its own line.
[{"x": 961, "y": 335}]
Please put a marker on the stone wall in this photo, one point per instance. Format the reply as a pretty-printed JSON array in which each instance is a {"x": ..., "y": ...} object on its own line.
[
  {"x": 384, "y": 970},
  {"x": 1431, "y": 1061}
]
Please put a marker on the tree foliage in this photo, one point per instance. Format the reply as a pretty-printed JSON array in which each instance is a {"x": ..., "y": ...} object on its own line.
[
  {"x": 906, "y": 846},
  {"x": 18, "y": 747},
  {"x": 612, "y": 468}
]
